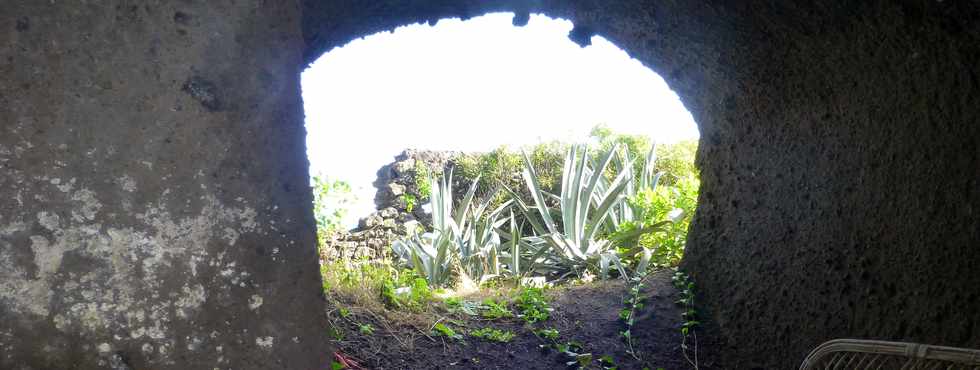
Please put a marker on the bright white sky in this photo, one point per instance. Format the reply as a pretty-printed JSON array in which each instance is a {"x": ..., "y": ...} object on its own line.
[{"x": 473, "y": 86}]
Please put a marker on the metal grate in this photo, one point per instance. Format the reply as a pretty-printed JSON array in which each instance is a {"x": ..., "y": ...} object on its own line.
[{"x": 841, "y": 354}]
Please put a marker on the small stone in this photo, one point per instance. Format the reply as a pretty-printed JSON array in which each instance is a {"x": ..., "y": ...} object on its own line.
[
  {"x": 389, "y": 224},
  {"x": 396, "y": 189},
  {"x": 389, "y": 212},
  {"x": 370, "y": 222},
  {"x": 404, "y": 167},
  {"x": 254, "y": 302}
]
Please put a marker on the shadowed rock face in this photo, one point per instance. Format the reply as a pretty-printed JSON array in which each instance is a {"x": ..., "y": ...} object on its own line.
[{"x": 154, "y": 207}]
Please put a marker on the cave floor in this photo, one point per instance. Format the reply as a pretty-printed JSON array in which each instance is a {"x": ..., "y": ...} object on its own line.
[{"x": 586, "y": 314}]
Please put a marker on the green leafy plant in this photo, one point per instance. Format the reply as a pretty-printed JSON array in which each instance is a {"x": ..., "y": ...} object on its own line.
[
  {"x": 633, "y": 303},
  {"x": 532, "y": 305},
  {"x": 494, "y": 310},
  {"x": 548, "y": 334},
  {"x": 331, "y": 202},
  {"x": 444, "y": 330},
  {"x": 409, "y": 200},
  {"x": 635, "y": 146},
  {"x": 575, "y": 354},
  {"x": 675, "y": 203},
  {"x": 366, "y": 329},
  {"x": 423, "y": 180},
  {"x": 676, "y": 161},
  {"x": 684, "y": 283},
  {"x": 459, "y": 305},
  {"x": 494, "y": 335},
  {"x": 606, "y": 362},
  {"x": 502, "y": 167}
]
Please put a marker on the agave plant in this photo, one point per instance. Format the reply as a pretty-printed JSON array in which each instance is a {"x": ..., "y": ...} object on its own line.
[
  {"x": 462, "y": 240},
  {"x": 583, "y": 206},
  {"x": 477, "y": 238},
  {"x": 626, "y": 212},
  {"x": 428, "y": 254}
]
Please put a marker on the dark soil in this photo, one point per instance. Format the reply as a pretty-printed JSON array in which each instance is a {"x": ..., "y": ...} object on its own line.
[{"x": 587, "y": 314}]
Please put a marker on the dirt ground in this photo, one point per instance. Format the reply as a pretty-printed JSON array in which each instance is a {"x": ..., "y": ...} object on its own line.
[{"x": 587, "y": 314}]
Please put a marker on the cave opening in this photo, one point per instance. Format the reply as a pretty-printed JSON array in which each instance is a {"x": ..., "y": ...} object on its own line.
[{"x": 392, "y": 115}]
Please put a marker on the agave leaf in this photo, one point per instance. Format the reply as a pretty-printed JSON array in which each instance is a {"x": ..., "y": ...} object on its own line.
[
  {"x": 610, "y": 258},
  {"x": 531, "y": 178},
  {"x": 526, "y": 211},
  {"x": 515, "y": 247},
  {"x": 613, "y": 195},
  {"x": 464, "y": 206}
]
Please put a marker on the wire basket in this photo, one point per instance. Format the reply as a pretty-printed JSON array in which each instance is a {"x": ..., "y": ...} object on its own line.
[{"x": 876, "y": 354}]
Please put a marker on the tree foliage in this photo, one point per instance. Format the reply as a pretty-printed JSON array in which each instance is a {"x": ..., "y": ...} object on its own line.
[{"x": 331, "y": 202}]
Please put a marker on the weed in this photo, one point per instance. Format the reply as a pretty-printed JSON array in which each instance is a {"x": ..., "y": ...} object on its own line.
[
  {"x": 458, "y": 305},
  {"x": 368, "y": 283},
  {"x": 607, "y": 363},
  {"x": 532, "y": 305},
  {"x": 573, "y": 351},
  {"x": 494, "y": 310},
  {"x": 453, "y": 302},
  {"x": 422, "y": 182},
  {"x": 549, "y": 334},
  {"x": 494, "y": 335},
  {"x": 410, "y": 201},
  {"x": 633, "y": 304},
  {"x": 414, "y": 296},
  {"x": 366, "y": 329},
  {"x": 444, "y": 330},
  {"x": 335, "y": 333},
  {"x": 684, "y": 283}
]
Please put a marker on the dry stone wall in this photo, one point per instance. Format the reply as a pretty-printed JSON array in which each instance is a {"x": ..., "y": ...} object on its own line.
[{"x": 399, "y": 202}]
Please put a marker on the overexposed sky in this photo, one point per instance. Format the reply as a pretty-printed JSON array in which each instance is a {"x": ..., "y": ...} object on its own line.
[{"x": 472, "y": 86}]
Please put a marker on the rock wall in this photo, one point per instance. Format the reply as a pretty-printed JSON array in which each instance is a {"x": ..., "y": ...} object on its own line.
[
  {"x": 154, "y": 207},
  {"x": 399, "y": 202}
]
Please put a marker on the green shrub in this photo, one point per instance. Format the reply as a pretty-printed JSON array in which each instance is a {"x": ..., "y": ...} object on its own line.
[
  {"x": 423, "y": 180},
  {"x": 676, "y": 202},
  {"x": 331, "y": 200},
  {"x": 410, "y": 201},
  {"x": 636, "y": 146},
  {"x": 676, "y": 161},
  {"x": 503, "y": 166}
]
